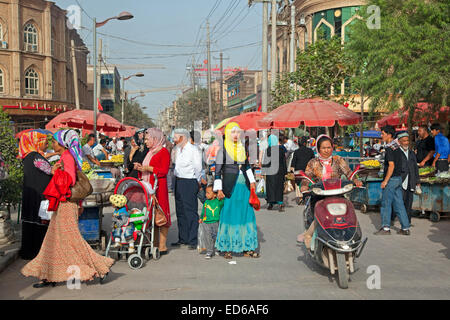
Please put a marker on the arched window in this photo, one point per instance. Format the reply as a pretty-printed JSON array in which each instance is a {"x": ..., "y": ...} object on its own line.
[
  {"x": 30, "y": 37},
  {"x": 31, "y": 82},
  {"x": 2, "y": 81}
]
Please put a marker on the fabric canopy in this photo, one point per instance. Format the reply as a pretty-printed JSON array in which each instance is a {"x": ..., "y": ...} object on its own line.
[
  {"x": 84, "y": 119},
  {"x": 311, "y": 113},
  {"x": 129, "y": 132},
  {"x": 368, "y": 134},
  {"x": 423, "y": 114}
]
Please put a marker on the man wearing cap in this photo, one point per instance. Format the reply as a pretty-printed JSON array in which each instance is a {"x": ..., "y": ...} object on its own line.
[{"x": 410, "y": 172}]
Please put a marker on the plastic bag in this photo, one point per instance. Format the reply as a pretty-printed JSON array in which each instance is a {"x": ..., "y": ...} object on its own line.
[
  {"x": 44, "y": 214},
  {"x": 254, "y": 201},
  {"x": 261, "y": 188}
]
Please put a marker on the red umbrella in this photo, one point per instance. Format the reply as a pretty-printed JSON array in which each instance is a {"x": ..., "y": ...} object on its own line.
[
  {"x": 423, "y": 114},
  {"x": 312, "y": 113},
  {"x": 247, "y": 121},
  {"x": 129, "y": 132},
  {"x": 84, "y": 119}
]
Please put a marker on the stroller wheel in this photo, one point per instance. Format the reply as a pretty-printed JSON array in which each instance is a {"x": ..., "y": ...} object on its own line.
[
  {"x": 135, "y": 261},
  {"x": 155, "y": 253},
  {"x": 147, "y": 253}
]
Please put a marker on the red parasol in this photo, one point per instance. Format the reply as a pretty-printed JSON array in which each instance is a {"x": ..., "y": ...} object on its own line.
[
  {"x": 310, "y": 112},
  {"x": 129, "y": 132},
  {"x": 84, "y": 119},
  {"x": 423, "y": 114},
  {"x": 249, "y": 120}
]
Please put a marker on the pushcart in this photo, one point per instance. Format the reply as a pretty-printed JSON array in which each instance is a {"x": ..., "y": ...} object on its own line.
[
  {"x": 435, "y": 199},
  {"x": 370, "y": 195}
]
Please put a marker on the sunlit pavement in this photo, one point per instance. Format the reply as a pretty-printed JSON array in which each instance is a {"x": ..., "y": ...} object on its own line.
[{"x": 411, "y": 267}]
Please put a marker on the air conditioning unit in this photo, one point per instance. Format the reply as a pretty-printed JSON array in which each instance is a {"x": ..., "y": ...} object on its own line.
[{"x": 4, "y": 45}]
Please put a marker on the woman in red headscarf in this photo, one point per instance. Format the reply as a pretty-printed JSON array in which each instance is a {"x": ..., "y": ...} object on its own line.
[{"x": 157, "y": 161}]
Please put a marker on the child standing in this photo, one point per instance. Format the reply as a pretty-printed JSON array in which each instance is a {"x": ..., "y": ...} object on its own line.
[{"x": 209, "y": 220}]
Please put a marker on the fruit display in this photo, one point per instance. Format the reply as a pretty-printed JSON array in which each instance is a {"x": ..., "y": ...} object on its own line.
[
  {"x": 86, "y": 167},
  {"x": 118, "y": 158},
  {"x": 426, "y": 171},
  {"x": 371, "y": 164}
]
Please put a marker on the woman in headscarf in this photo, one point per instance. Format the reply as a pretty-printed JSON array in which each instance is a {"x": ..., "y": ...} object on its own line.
[
  {"x": 325, "y": 166},
  {"x": 274, "y": 168},
  {"x": 37, "y": 173},
  {"x": 157, "y": 162},
  {"x": 137, "y": 154},
  {"x": 63, "y": 244},
  {"x": 233, "y": 179}
]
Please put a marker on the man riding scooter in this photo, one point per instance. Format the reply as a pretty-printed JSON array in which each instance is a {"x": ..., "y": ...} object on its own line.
[{"x": 325, "y": 166}]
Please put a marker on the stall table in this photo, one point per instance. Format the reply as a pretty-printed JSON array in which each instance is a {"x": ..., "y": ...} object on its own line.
[{"x": 435, "y": 198}]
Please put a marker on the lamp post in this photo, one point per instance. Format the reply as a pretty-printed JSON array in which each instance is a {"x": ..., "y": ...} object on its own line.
[
  {"x": 134, "y": 98},
  {"x": 139, "y": 74},
  {"x": 122, "y": 16}
]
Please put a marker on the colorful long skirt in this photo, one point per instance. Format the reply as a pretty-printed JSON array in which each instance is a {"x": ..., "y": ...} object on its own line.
[
  {"x": 237, "y": 227},
  {"x": 64, "y": 250}
]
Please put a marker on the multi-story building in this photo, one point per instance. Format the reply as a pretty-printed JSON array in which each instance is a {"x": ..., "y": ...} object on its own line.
[
  {"x": 36, "y": 70},
  {"x": 110, "y": 87},
  {"x": 315, "y": 18}
]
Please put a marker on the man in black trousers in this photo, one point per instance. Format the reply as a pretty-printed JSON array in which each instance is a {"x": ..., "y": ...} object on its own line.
[{"x": 188, "y": 173}]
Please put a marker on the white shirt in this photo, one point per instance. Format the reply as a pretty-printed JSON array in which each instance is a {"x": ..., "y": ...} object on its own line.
[
  {"x": 113, "y": 146},
  {"x": 98, "y": 150},
  {"x": 405, "y": 183},
  {"x": 87, "y": 151},
  {"x": 188, "y": 163},
  {"x": 290, "y": 146},
  {"x": 119, "y": 145}
]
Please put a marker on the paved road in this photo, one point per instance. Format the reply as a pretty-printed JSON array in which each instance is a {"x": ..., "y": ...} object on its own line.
[{"x": 415, "y": 267}]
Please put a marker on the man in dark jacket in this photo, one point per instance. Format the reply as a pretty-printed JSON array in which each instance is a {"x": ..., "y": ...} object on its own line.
[
  {"x": 410, "y": 172},
  {"x": 301, "y": 156}
]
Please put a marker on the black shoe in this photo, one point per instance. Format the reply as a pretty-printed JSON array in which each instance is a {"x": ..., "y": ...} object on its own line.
[
  {"x": 163, "y": 253},
  {"x": 176, "y": 244},
  {"x": 404, "y": 232},
  {"x": 191, "y": 247},
  {"x": 44, "y": 284},
  {"x": 270, "y": 207},
  {"x": 382, "y": 232},
  {"x": 103, "y": 279}
]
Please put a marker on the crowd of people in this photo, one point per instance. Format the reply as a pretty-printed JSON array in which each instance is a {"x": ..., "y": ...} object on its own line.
[{"x": 219, "y": 175}]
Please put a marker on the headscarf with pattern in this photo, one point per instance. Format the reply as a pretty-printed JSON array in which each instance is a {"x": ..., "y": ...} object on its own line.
[
  {"x": 31, "y": 142},
  {"x": 69, "y": 139}
]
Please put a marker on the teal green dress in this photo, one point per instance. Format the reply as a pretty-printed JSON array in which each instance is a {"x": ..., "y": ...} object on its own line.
[{"x": 237, "y": 228}]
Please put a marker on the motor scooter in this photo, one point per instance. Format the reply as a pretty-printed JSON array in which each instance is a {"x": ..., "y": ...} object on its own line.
[{"x": 337, "y": 239}]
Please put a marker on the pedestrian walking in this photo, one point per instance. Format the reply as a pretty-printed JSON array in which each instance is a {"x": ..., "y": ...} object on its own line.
[
  {"x": 410, "y": 173},
  {"x": 441, "y": 156},
  {"x": 63, "y": 245},
  {"x": 233, "y": 180},
  {"x": 392, "y": 195},
  {"x": 37, "y": 173},
  {"x": 188, "y": 172},
  {"x": 274, "y": 169}
]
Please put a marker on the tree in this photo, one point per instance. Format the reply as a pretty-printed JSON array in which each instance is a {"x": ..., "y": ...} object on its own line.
[
  {"x": 11, "y": 187},
  {"x": 284, "y": 92},
  {"x": 406, "y": 60},
  {"x": 193, "y": 106},
  {"x": 133, "y": 115}
]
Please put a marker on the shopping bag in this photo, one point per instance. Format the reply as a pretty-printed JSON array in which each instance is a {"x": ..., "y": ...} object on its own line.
[
  {"x": 201, "y": 243},
  {"x": 298, "y": 194},
  {"x": 44, "y": 214},
  {"x": 288, "y": 187},
  {"x": 254, "y": 201},
  {"x": 261, "y": 188}
]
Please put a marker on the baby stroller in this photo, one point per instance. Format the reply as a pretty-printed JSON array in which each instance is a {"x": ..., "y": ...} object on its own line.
[{"x": 139, "y": 195}]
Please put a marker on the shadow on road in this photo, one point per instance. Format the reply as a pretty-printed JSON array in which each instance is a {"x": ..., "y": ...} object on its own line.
[
  {"x": 440, "y": 234},
  {"x": 313, "y": 266}
]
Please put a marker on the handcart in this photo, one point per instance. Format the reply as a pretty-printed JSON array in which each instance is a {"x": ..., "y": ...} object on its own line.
[
  {"x": 140, "y": 195},
  {"x": 90, "y": 221},
  {"x": 370, "y": 195},
  {"x": 435, "y": 199}
]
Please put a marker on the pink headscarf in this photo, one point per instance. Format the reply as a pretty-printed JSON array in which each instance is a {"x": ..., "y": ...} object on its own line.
[{"x": 157, "y": 136}]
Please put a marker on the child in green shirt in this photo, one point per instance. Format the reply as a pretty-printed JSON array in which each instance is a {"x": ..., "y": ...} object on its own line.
[{"x": 209, "y": 220}]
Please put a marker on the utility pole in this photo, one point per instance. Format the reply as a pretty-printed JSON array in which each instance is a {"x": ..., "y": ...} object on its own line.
[
  {"x": 193, "y": 74},
  {"x": 94, "y": 59},
  {"x": 265, "y": 44},
  {"x": 273, "y": 59},
  {"x": 75, "y": 75},
  {"x": 221, "y": 82},
  {"x": 292, "y": 47},
  {"x": 209, "y": 75},
  {"x": 99, "y": 81}
]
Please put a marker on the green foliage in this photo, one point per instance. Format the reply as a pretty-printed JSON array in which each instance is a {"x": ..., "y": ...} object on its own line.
[
  {"x": 193, "y": 106},
  {"x": 133, "y": 115},
  {"x": 11, "y": 187},
  {"x": 284, "y": 91},
  {"x": 407, "y": 58}
]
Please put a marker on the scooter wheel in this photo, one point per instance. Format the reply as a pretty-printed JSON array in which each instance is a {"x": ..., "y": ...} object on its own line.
[{"x": 343, "y": 274}]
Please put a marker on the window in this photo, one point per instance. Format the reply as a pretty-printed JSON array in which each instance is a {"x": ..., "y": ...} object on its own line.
[
  {"x": 31, "y": 82},
  {"x": 1, "y": 32},
  {"x": 2, "y": 88},
  {"x": 30, "y": 38},
  {"x": 107, "y": 81}
]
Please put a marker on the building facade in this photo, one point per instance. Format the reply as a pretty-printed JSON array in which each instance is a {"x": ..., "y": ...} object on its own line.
[
  {"x": 110, "y": 94},
  {"x": 36, "y": 70}
]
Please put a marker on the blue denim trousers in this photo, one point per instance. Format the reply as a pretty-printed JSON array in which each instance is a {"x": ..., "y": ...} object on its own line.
[{"x": 392, "y": 198}]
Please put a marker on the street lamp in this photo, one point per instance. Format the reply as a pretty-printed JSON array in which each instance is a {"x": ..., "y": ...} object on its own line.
[
  {"x": 139, "y": 74},
  {"x": 122, "y": 16},
  {"x": 134, "y": 98}
]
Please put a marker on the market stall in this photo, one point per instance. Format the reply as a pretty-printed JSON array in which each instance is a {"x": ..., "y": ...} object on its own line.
[{"x": 370, "y": 195}]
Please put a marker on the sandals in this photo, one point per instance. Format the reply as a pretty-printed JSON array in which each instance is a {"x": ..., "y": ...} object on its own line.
[
  {"x": 251, "y": 254},
  {"x": 228, "y": 255}
]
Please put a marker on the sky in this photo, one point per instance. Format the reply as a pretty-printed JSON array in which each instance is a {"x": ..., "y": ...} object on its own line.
[{"x": 170, "y": 33}]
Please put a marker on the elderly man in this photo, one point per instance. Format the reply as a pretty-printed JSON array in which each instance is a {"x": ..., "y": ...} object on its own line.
[
  {"x": 188, "y": 174},
  {"x": 410, "y": 172}
]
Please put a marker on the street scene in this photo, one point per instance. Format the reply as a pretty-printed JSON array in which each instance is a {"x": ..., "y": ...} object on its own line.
[{"x": 224, "y": 150}]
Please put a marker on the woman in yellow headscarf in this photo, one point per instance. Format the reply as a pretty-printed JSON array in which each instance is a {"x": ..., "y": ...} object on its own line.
[{"x": 233, "y": 180}]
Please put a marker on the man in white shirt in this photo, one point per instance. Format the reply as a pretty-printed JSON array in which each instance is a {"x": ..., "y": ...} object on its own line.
[
  {"x": 188, "y": 176},
  {"x": 113, "y": 145},
  {"x": 119, "y": 145}
]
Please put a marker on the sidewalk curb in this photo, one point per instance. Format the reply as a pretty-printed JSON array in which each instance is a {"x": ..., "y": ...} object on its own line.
[{"x": 8, "y": 259}]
